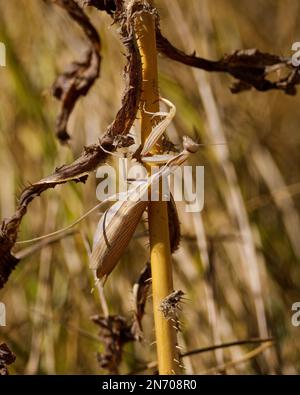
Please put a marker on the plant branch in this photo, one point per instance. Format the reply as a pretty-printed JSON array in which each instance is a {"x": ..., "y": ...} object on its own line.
[
  {"x": 251, "y": 354},
  {"x": 252, "y": 68},
  {"x": 160, "y": 254},
  {"x": 226, "y": 345},
  {"x": 153, "y": 364},
  {"x": 92, "y": 156}
]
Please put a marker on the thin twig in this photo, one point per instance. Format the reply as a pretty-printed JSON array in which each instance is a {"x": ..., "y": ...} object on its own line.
[
  {"x": 153, "y": 364},
  {"x": 26, "y": 252},
  {"x": 225, "y": 345},
  {"x": 245, "y": 358}
]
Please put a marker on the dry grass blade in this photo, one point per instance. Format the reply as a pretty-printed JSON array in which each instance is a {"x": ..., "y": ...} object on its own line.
[
  {"x": 238, "y": 257},
  {"x": 274, "y": 180},
  {"x": 26, "y": 252},
  {"x": 251, "y": 354},
  {"x": 232, "y": 193}
]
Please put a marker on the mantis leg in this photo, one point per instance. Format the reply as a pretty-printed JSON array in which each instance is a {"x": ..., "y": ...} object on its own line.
[{"x": 159, "y": 129}]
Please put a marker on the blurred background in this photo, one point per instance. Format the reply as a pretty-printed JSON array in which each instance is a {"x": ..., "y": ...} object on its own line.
[{"x": 238, "y": 262}]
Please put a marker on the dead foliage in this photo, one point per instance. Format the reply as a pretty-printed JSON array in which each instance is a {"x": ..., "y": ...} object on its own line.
[
  {"x": 6, "y": 358},
  {"x": 77, "y": 80},
  {"x": 114, "y": 333}
]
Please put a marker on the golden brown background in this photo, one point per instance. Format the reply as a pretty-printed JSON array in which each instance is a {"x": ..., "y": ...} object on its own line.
[{"x": 238, "y": 286}]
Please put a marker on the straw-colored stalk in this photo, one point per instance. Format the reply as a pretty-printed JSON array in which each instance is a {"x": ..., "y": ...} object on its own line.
[{"x": 160, "y": 254}]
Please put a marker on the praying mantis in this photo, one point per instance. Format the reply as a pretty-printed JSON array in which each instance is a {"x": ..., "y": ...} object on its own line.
[{"x": 119, "y": 222}]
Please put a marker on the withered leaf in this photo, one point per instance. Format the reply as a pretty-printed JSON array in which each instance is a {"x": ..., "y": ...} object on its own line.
[
  {"x": 76, "y": 171},
  {"x": 92, "y": 156},
  {"x": 174, "y": 225},
  {"x": 78, "y": 79},
  {"x": 6, "y": 358},
  {"x": 114, "y": 333},
  {"x": 108, "y": 6},
  {"x": 140, "y": 294},
  {"x": 250, "y": 67}
]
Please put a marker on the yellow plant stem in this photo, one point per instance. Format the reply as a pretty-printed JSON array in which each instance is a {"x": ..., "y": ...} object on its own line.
[{"x": 160, "y": 254}]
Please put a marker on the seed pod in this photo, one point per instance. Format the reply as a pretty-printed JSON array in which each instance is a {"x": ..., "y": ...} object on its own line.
[
  {"x": 171, "y": 303},
  {"x": 113, "y": 234}
]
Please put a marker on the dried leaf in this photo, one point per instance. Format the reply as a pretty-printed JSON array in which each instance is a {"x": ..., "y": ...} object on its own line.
[
  {"x": 6, "y": 358},
  {"x": 77, "y": 171},
  {"x": 92, "y": 156},
  {"x": 250, "y": 67},
  {"x": 114, "y": 333},
  {"x": 174, "y": 225},
  {"x": 78, "y": 79},
  {"x": 140, "y": 294},
  {"x": 108, "y": 6}
]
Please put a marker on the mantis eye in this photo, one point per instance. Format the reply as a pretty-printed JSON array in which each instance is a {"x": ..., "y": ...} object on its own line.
[{"x": 190, "y": 145}]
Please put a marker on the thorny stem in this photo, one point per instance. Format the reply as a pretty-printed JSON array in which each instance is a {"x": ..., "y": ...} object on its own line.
[{"x": 160, "y": 254}]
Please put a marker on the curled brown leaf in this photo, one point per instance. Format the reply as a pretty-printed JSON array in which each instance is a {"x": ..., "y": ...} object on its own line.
[
  {"x": 108, "y": 6},
  {"x": 91, "y": 157},
  {"x": 140, "y": 294},
  {"x": 174, "y": 225},
  {"x": 251, "y": 67},
  {"x": 81, "y": 75},
  {"x": 114, "y": 333},
  {"x": 6, "y": 358}
]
